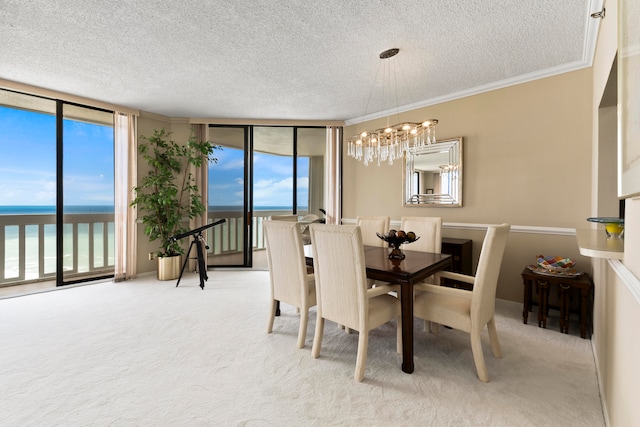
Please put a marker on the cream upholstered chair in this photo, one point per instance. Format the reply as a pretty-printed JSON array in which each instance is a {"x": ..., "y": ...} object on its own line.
[
  {"x": 369, "y": 226},
  {"x": 466, "y": 310},
  {"x": 341, "y": 287},
  {"x": 290, "y": 282},
  {"x": 428, "y": 228}
]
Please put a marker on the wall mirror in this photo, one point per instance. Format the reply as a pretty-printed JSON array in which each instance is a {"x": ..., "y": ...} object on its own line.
[{"x": 433, "y": 175}]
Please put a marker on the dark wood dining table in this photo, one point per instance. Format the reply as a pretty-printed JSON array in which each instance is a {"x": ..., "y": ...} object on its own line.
[{"x": 414, "y": 268}]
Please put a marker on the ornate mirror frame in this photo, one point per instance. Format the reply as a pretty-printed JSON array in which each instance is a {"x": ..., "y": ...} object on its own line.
[{"x": 433, "y": 175}]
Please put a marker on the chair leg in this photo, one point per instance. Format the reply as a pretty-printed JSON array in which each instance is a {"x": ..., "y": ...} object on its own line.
[
  {"x": 272, "y": 316},
  {"x": 493, "y": 338},
  {"x": 302, "y": 333},
  {"x": 361, "y": 360},
  {"x": 478, "y": 358},
  {"x": 317, "y": 338}
]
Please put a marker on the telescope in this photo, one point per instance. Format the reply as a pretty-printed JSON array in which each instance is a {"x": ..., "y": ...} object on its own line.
[
  {"x": 195, "y": 231},
  {"x": 198, "y": 241}
]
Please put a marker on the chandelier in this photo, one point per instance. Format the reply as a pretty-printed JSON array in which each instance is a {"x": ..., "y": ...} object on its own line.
[{"x": 393, "y": 141}]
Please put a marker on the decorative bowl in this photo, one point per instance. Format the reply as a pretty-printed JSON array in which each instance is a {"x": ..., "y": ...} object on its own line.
[
  {"x": 397, "y": 238},
  {"x": 556, "y": 264},
  {"x": 614, "y": 227}
]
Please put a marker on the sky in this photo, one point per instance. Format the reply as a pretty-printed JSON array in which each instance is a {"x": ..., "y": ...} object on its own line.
[
  {"x": 28, "y": 166},
  {"x": 273, "y": 179},
  {"x": 28, "y": 160}
]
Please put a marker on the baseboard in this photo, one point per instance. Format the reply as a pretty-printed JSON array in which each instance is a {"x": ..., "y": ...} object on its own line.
[{"x": 603, "y": 401}]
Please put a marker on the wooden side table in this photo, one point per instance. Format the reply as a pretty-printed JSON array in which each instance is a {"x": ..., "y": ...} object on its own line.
[{"x": 542, "y": 283}]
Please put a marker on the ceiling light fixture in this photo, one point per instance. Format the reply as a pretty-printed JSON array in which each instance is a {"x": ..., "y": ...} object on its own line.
[{"x": 393, "y": 141}]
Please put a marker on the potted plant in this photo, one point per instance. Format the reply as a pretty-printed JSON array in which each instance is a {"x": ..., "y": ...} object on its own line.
[{"x": 168, "y": 195}]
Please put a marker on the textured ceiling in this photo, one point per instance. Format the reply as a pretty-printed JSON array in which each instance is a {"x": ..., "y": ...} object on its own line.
[{"x": 296, "y": 59}]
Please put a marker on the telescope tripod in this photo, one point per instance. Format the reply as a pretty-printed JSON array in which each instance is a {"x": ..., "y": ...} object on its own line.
[{"x": 198, "y": 241}]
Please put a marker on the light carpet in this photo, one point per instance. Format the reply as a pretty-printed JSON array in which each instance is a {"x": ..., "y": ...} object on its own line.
[{"x": 145, "y": 353}]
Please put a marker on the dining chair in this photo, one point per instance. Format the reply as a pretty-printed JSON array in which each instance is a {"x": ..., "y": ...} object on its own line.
[
  {"x": 342, "y": 293},
  {"x": 290, "y": 281},
  {"x": 370, "y": 225},
  {"x": 466, "y": 310},
  {"x": 428, "y": 228}
]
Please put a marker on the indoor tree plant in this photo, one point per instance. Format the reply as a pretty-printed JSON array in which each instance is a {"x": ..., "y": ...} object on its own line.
[{"x": 168, "y": 195}]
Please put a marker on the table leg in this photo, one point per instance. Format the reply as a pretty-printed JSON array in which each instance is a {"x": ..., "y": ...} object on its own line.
[
  {"x": 527, "y": 301},
  {"x": 406, "y": 301},
  {"x": 543, "y": 302},
  {"x": 584, "y": 302},
  {"x": 565, "y": 291}
]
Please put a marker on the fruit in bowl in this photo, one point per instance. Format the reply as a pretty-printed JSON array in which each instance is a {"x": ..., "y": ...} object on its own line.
[
  {"x": 398, "y": 237},
  {"x": 395, "y": 238}
]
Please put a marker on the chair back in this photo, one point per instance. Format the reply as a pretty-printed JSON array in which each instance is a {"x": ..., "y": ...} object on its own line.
[
  {"x": 285, "y": 257},
  {"x": 483, "y": 299},
  {"x": 369, "y": 226},
  {"x": 340, "y": 272},
  {"x": 428, "y": 228}
]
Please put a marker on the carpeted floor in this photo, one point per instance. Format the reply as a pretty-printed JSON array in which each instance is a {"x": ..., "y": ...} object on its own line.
[{"x": 145, "y": 353}]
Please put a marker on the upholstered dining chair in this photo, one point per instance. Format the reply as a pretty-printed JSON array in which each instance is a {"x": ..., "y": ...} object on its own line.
[
  {"x": 428, "y": 228},
  {"x": 290, "y": 282},
  {"x": 342, "y": 293},
  {"x": 466, "y": 310},
  {"x": 370, "y": 225}
]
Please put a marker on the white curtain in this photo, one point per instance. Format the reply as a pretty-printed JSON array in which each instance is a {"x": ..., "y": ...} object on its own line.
[
  {"x": 126, "y": 177},
  {"x": 333, "y": 178}
]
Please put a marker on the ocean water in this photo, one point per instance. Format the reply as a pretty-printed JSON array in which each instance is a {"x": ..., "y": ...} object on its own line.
[
  {"x": 108, "y": 209},
  {"x": 51, "y": 210}
]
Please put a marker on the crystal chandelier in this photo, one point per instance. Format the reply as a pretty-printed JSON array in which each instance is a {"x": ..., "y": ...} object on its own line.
[{"x": 391, "y": 142}]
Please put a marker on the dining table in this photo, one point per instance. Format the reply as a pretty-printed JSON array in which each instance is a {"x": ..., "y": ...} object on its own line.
[{"x": 414, "y": 268}]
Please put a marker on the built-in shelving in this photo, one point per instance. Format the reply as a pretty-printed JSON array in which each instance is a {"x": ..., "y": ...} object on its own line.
[{"x": 595, "y": 244}]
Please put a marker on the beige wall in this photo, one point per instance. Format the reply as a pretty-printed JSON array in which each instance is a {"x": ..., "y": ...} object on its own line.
[{"x": 527, "y": 162}]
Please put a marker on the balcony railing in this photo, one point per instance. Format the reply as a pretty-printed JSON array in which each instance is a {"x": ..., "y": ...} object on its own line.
[{"x": 28, "y": 243}]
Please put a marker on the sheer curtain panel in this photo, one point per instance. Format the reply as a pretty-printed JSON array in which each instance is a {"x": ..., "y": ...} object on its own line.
[
  {"x": 333, "y": 178},
  {"x": 126, "y": 177}
]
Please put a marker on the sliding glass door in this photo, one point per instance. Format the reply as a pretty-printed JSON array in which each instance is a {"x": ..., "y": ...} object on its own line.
[
  {"x": 86, "y": 187},
  {"x": 261, "y": 171},
  {"x": 229, "y": 198},
  {"x": 28, "y": 188},
  {"x": 57, "y": 186}
]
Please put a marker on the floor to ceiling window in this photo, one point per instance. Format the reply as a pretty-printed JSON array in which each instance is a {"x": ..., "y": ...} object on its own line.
[
  {"x": 87, "y": 184},
  {"x": 56, "y": 182},
  {"x": 261, "y": 171}
]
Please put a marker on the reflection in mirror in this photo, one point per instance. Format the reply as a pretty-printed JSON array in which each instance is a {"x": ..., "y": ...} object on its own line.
[{"x": 433, "y": 175}]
